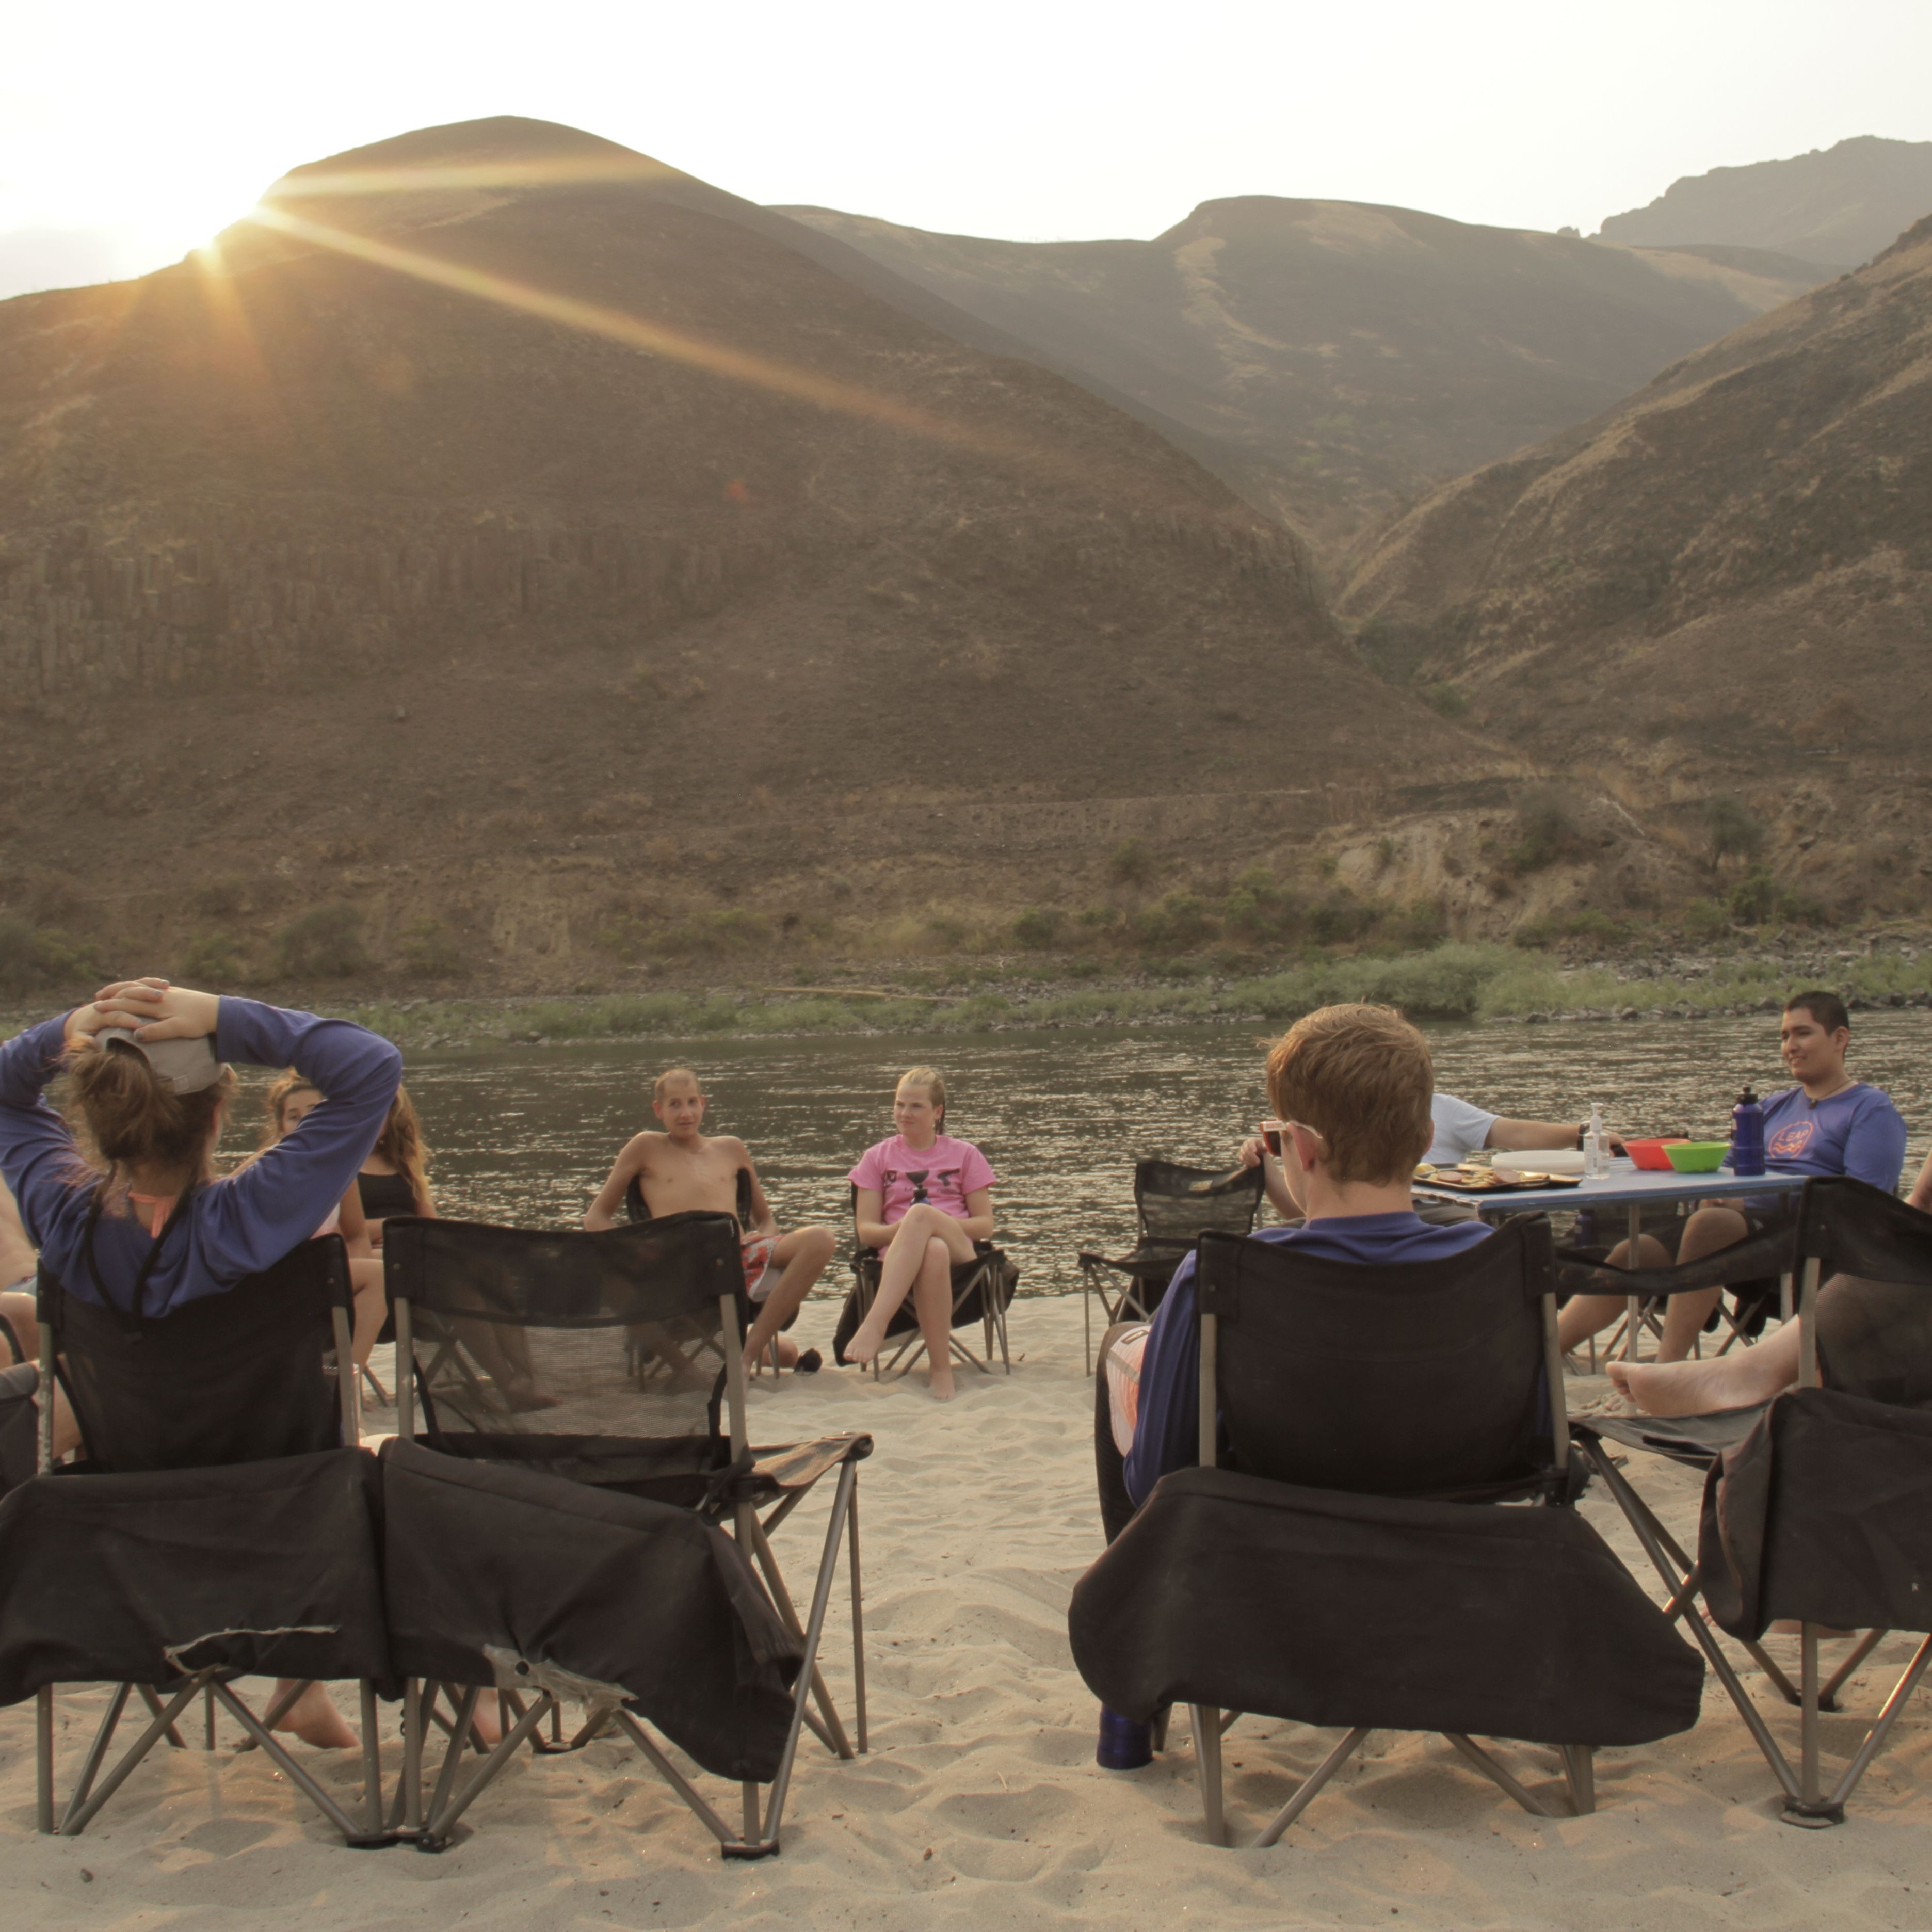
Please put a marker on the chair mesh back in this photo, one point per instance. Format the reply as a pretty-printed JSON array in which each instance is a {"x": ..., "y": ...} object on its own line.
[
  {"x": 517, "y": 1330},
  {"x": 238, "y": 1377},
  {"x": 1422, "y": 1378},
  {"x": 1851, "y": 1228},
  {"x": 1177, "y": 1205}
]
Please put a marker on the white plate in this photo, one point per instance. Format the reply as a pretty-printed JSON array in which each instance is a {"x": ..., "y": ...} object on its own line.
[{"x": 1553, "y": 1160}]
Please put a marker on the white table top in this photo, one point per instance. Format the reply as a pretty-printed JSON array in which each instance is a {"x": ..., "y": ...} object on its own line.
[{"x": 1626, "y": 1186}]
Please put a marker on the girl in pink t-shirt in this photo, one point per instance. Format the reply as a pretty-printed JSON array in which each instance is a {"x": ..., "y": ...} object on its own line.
[{"x": 924, "y": 1199}]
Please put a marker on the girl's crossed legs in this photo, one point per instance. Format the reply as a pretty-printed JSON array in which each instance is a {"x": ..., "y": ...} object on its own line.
[{"x": 919, "y": 1261}]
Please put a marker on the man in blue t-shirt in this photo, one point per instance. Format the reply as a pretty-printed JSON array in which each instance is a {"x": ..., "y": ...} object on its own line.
[{"x": 1829, "y": 1124}]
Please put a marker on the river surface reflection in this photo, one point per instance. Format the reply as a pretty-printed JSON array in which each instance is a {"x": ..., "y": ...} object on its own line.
[{"x": 526, "y": 1136}]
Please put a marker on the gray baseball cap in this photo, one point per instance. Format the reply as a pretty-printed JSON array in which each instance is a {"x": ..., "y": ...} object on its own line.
[{"x": 184, "y": 1066}]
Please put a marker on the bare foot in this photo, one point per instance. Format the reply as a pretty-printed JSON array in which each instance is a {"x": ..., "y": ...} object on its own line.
[
  {"x": 940, "y": 1382},
  {"x": 522, "y": 1395},
  {"x": 865, "y": 1342},
  {"x": 1691, "y": 1388},
  {"x": 315, "y": 1721}
]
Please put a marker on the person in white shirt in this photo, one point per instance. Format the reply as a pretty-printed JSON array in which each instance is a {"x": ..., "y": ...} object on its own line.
[{"x": 1460, "y": 1128}]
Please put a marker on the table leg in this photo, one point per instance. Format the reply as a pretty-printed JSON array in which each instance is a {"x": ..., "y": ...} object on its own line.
[{"x": 1633, "y": 1258}]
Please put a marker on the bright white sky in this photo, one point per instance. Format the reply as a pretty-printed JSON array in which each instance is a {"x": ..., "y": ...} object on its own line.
[{"x": 130, "y": 133}]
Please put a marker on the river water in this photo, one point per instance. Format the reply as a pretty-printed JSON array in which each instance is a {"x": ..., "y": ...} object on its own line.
[{"x": 526, "y": 1136}]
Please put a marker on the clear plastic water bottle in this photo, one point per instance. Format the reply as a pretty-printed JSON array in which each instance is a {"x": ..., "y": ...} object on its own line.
[
  {"x": 1596, "y": 1145},
  {"x": 1746, "y": 1134}
]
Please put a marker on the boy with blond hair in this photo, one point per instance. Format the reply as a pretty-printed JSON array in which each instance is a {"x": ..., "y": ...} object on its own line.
[{"x": 683, "y": 1170}]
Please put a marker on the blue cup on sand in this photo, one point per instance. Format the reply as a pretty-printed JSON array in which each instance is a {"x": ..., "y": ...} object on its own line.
[{"x": 1125, "y": 1743}]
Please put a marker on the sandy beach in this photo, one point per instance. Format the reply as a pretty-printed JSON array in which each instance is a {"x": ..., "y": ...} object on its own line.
[{"x": 980, "y": 1802}]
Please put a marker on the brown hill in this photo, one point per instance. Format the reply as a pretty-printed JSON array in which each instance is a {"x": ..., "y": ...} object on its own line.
[
  {"x": 1329, "y": 359},
  {"x": 1838, "y": 206},
  {"x": 525, "y": 546},
  {"x": 1723, "y": 586}
]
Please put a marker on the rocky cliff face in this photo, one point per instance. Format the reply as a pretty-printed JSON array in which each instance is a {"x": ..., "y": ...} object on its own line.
[
  {"x": 88, "y": 610},
  {"x": 1724, "y": 584}
]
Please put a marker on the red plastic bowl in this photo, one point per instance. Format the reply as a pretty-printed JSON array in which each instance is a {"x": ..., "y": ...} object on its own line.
[{"x": 1650, "y": 1155}]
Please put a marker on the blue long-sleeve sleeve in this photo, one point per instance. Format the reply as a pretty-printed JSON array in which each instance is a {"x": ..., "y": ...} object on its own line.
[
  {"x": 235, "y": 1227},
  {"x": 38, "y": 1158},
  {"x": 1167, "y": 1430}
]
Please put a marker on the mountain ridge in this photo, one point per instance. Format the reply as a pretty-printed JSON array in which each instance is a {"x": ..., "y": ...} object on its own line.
[
  {"x": 1329, "y": 360},
  {"x": 1837, "y": 206}
]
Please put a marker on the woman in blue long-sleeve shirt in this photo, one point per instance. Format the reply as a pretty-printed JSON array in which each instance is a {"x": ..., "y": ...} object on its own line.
[
  {"x": 145, "y": 1062},
  {"x": 156, "y": 1145}
]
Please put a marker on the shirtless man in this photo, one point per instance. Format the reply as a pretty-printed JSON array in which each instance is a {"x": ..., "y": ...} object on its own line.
[{"x": 683, "y": 1170}]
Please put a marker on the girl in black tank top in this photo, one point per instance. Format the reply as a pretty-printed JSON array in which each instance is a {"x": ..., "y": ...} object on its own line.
[{"x": 384, "y": 1196}]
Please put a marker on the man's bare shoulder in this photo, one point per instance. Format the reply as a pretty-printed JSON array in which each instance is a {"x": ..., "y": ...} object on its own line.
[{"x": 639, "y": 1148}]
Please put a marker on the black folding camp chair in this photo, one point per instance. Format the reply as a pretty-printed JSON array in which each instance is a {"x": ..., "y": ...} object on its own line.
[
  {"x": 982, "y": 1292},
  {"x": 1817, "y": 1505},
  {"x": 677, "y": 1441},
  {"x": 1337, "y": 1558},
  {"x": 1174, "y": 1206},
  {"x": 216, "y": 1526}
]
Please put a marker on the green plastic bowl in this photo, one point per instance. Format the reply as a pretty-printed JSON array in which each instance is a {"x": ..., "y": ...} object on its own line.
[{"x": 1697, "y": 1157}]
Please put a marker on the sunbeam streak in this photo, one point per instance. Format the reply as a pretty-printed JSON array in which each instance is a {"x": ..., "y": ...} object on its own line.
[
  {"x": 634, "y": 332},
  {"x": 558, "y": 171}
]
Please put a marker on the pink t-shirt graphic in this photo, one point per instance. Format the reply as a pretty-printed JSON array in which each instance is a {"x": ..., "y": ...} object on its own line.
[{"x": 941, "y": 1175}]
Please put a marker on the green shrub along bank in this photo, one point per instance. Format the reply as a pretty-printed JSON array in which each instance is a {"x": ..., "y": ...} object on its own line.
[
  {"x": 1447, "y": 982},
  {"x": 1258, "y": 910}
]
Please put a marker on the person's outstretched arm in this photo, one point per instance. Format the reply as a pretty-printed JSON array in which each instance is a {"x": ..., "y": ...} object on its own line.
[{"x": 1526, "y": 1136}]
